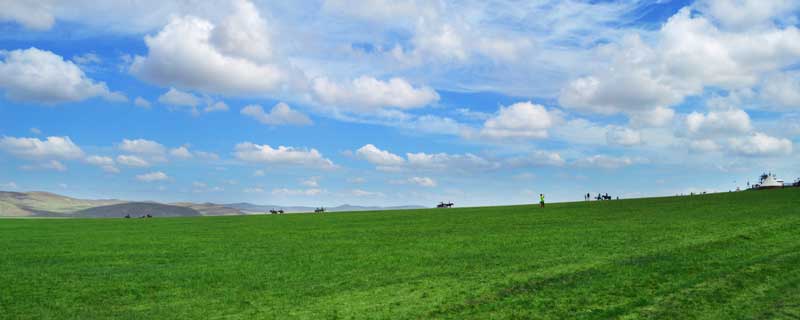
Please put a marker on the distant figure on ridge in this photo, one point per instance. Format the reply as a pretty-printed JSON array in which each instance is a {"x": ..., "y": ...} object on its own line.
[{"x": 541, "y": 200}]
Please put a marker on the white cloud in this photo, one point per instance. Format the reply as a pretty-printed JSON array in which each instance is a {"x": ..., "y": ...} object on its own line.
[
  {"x": 782, "y": 91},
  {"x": 9, "y": 185},
  {"x": 229, "y": 58},
  {"x": 442, "y": 161},
  {"x": 745, "y": 14},
  {"x": 253, "y": 190},
  {"x": 216, "y": 107},
  {"x": 364, "y": 193},
  {"x": 152, "y": 177},
  {"x": 368, "y": 94},
  {"x": 356, "y": 180},
  {"x": 141, "y": 102},
  {"x": 45, "y": 77},
  {"x": 34, "y": 15},
  {"x": 604, "y": 161},
  {"x": 623, "y": 136},
  {"x": 33, "y": 148},
  {"x": 520, "y": 120},
  {"x": 281, "y": 114},
  {"x": 35, "y": 131},
  {"x": 703, "y": 146},
  {"x": 175, "y": 97},
  {"x": 181, "y": 152},
  {"x": 537, "y": 158},
  {"x": 132, "y": 161},
  {"x": 142, "y": 146},
  {"x": 105, "y": 163},
  {"x": 251, "y": 152},
  {"x": 296, "y": 192},
  {"x": 206, "y": 155},
  {"x": 312, "y": 182},
  {"x": 718, "y": 122},
  {"x": 689, "y": 53},
  {"x": 258, "y": 173},
  {"x": 378, "y": 157},
  {"x": 87, "y": 58},
  {"x": 422, "y": 181},
  {"x": 54, "y": 165},
  {"x": 760, "y": 144}
]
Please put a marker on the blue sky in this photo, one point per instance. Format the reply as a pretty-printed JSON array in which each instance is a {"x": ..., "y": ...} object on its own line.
[{"x": 396, "y": 102}]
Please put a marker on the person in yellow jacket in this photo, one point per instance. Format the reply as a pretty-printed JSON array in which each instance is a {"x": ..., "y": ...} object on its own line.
[{"x": 541, "y": 200}]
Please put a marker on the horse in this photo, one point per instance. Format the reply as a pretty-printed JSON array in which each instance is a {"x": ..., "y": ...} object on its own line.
[
  {"x": 319, "y": 210},
  {"x": 444, "y": 205},
  {"x": 273, "y": 211}
]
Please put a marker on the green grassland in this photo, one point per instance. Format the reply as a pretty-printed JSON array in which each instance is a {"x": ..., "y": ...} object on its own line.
[{"x": 717, "y": 256}]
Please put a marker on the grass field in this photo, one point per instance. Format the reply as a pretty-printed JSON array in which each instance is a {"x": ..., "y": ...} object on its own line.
[{"x": 719, "y": 256}]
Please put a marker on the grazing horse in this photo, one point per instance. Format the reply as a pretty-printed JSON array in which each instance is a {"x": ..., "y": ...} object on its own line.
[
  {"x": 280, "y": 211},
  {"x": 444, "y": 205},
  {"x": 273, "y": 211},
  {"x": 319, "y": 210},
  {"x": 127, "y": 216}
]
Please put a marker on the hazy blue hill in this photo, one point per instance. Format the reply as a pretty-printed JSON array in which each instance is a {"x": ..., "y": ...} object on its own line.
[{"x": 136, "y": 209}]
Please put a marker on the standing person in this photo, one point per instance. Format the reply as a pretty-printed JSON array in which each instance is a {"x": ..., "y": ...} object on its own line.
[{"x": 541, "y": 200}]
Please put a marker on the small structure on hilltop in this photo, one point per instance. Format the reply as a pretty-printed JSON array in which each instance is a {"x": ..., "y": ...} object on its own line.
[{"x": 768, "y": 181}]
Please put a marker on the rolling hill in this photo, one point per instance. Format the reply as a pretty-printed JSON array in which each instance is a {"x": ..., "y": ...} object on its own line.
[
  {"x": 45, "y": 204},
  {"x": 716, "y": 256},
  {"x": 136, "y": 209}
]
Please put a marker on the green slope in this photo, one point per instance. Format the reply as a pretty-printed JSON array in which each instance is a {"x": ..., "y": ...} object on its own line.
[{"x": 720, "y": 256}]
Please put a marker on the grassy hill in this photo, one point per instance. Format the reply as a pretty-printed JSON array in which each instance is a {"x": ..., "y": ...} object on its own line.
[
  {"x": 717, "y": 256},
  {"x": 136, "y": 209},
  {"x": 44, "y": 203}
]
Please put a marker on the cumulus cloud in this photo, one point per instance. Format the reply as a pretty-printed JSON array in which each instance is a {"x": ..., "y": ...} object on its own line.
[
  {"x": 536, "y": 158},
  {"x": 44, "y": 77},
  {"x": 142, "y": 146},
  {"x": 604, "y": 161},
  {"x": 34, "y": 148},
  {"x": 369, "y": 94},
  {"x": 105, "y": 163},
  {"x": 623, "y": 136},
  {"x": 364, "y": 193},
  {"x": 420, "y": 181},
  {"x": 34, "y": 15},
  {"x": 132, "y": 161},
  {"x": 703, "y": 146},
  {"x": 281, "y": 114},
  {"x": 216, "y": 107},
  {"x": 181, "y": 152},
  {"x": 520, "y": 120},
  {"x": 232, "y": 57},
  {"x": 312, "y": 182},
  {"x": 250, "y": 152},
  {"x": 296, "y": 192},
  {"x": 141, "y": 102},
  {"x": 689, "y": 53},
  {"x": 152, "y": 177},
  {"x": 378, "y": 157},
  {"x": 442, "y": 161},
  {"x": 760, "y": 144},
  {"x": 782, "y": 91},
  {"x": 718, "y": 122},
  {"x": 387, "y": 161},
  {"x": 175, "y": 97}
]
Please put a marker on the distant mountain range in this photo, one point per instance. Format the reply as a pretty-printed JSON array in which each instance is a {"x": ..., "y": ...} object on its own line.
[
  {"x": 45, "y": 204},
  {"x": 251, "y": 208}
]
